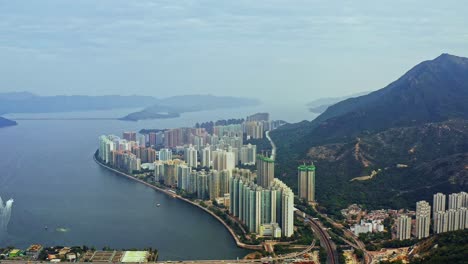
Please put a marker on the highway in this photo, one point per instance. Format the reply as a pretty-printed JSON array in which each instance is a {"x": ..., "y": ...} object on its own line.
[
  {"x": 358, "y": 244},
  {"x": 332, "y": 254},
  {"x": 262, "y": 260}
]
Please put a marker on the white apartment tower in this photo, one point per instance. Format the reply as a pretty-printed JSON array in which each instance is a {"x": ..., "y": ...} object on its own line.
[
  {"x": 404, "y": 227},
  {"x": 191, "y": 156},
  {"x": 423, "y": 219}
]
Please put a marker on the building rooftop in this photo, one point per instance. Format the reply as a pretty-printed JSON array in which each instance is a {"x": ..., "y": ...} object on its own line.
[
  {"x": 266, "y": 159},
  {"x": 306, "y": 168}
]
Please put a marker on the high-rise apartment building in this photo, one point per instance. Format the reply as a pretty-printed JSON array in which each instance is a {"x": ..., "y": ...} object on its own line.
[
  {"x": 306, "y": 182},
  {"x": 223, "y": 160},
  {"x": 224, "y": 179},
  {"x": 152, "y": 139},
  {"x": 457, "y": 200},
  {"x": 456, "y": 217},
  {"x": 265, "y": 171},
  {"x": 438, "y": 204},
  {"x": 423, "y": 219},
  {"x": 453, "y": 218},
  {"x": 213, "y": 185},
  {"x": 191, "y": 156},
  {"x": 254, "y": 130},
  {"x": 183, "y": 176},
  {"x": 403, "y": 227},
  {"x": 257, "y": 206},
  {"x": 206, "y": 157},
  {"x": 130, "y": 136},
  {"x": 165, "y": 154},
  {"x": 440, "y": 222},
  {"x": 202, "y": 185},
  {"x": 248, "y": 154}
]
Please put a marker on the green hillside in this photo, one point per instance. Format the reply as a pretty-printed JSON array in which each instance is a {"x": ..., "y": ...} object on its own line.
[{"x": 412, "y": 133}]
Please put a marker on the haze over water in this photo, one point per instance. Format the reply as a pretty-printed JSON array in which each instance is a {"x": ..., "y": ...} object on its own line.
[{"x": 47, "y": 167}]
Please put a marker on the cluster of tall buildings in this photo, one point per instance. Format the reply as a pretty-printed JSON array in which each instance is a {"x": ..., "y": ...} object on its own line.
[
  {"x": 422, "y": 223},
  {"x": 122, "y": 154},
  {"x": 205, "y": 185},
  {"x": 204, "y": 166},
  {"x": 455, "y": 218},
  {"x": 265, "y": 207},
  {"x": 306, "y": 182}
]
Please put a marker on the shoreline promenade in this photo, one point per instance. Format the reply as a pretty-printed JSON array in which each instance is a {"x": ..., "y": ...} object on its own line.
[{"x": 167, "y": 192}]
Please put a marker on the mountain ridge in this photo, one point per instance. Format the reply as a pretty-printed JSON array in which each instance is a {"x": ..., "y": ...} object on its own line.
[{"x": 425, "y": 111}]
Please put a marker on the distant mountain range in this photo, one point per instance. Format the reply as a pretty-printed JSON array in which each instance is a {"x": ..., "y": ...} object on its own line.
[
  {"x": 319, "y": 106},
  {"x": 413, "y": 134},
  {"x": 24, "y": 102},
  {"x": 6, "y": 122},
  {"x": 174, "y": 106}
]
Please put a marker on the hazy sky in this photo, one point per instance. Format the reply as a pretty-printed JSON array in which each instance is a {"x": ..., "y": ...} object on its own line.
[{"x": 299, "y": 50}]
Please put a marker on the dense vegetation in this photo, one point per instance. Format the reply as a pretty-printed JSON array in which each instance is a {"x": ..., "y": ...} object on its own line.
[
  {"x": 401, "y": 132},
  {"x": 451, "y": 247}
]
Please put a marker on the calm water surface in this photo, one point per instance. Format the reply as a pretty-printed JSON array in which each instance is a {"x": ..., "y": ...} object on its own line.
[{"x": 46, "y": 166}]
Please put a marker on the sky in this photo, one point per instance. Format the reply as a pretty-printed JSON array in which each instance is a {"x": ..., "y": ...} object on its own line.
[{"x": 287, "y": 51}]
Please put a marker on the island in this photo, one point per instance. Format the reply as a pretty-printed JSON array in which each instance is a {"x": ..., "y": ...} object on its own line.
[
  {"x": 6, "y": 122},
  {"x": 174, "y": 106}
]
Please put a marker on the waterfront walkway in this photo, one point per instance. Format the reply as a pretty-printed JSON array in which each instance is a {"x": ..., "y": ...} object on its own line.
[{"x": 174, "y": 195}]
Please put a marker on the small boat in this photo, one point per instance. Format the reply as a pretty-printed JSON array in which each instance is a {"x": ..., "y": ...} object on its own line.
[
  {"x": 45, "y": 227},
  {"x": 158, "y": 205}
]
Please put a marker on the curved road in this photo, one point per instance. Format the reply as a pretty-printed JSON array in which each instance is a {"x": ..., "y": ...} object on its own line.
[
  {"x": 332, "y": 254},
  {"x": 273, "y": 146}
]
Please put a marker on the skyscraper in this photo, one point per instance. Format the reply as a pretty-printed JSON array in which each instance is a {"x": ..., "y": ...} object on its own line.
[
  {"x": 423, "y": 219},
  {"x": 206, "y": 157},
  {"x": 224, "y": 177},
  {"x": 453, "y": 217},
  {"x": 287, "y": 225},
  {"x": 223, "y": 160},
  {"x": 152, "y": 139},
  {"x": 440, "y": 222},
  {"x": 306, "y": 182},
  {"x": 191, "y": 156},
  {"x": 455, "y": 200},
  {"x": 404, "y": 227},
  {"x": 463, "y": 221},
  {"x": 265, "y": 171},
  {"x": 257, "y": 206},
  {"x": 130, "y": 136},
  {"x": 213, "y": 184},
  {"x": 141, "y": 140},
  {"x": 438, "y": 204},
  {"x": 248, "y": 154},
  {"x": 202, "y": 185},
  {"x": 165, "y": 154}
]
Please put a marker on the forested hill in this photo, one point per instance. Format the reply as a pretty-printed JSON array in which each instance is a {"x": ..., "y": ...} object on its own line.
[
  {"x": 402, "y": 123},
  {"x": 450, "y": 247}
]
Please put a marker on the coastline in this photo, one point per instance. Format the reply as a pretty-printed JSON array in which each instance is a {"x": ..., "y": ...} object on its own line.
[{"x": 233, "y": 234}]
